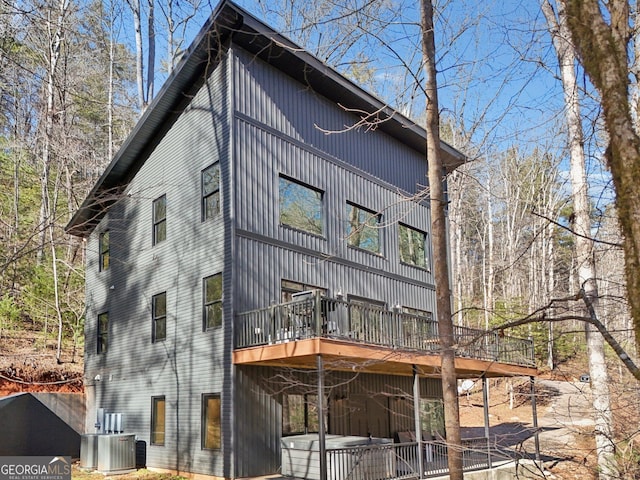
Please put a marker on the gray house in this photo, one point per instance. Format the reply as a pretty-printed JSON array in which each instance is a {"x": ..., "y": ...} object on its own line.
[{"x": 246, "y": 270}]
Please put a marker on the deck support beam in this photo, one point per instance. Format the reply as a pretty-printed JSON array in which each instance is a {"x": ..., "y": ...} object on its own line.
[
  {"x": 416, "y": 416},
  {"x": 485, "y": 404},
  {"x": 534, "y": 414}
]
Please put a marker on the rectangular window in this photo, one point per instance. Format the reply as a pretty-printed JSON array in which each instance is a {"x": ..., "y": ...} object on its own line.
[
  {"x": 432, "y": 416},
  {"x": 159, "y": 219},
  {"x": 103, "y": 332},
  {"x": 299, "y": 414},
  {"x": 413, "y": 246},
  {"x": 211, "y": 427},
  {"x": 289, "y": 288},
  {"x": 210, "y": 179},
  {"x": 159, "y": 316},
  {"x": 366, "y": 319},
  {"x": 419, "y": 329},
  {"x": 104, "y": 251},
  {"x": 157, "y": 420},
  {"x": 363, "y": 228},
  {"x": 212, "y": 301},
  {"x": 300, "y": 206}
]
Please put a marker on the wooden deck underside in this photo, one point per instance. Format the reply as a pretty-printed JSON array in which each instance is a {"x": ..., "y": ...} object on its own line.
[{"x": 349, "y": 356}]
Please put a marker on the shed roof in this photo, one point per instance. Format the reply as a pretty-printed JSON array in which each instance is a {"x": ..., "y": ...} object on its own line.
[{"x": 229, "y": 22}]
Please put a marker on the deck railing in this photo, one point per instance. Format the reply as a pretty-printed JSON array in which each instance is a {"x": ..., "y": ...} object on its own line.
[
  {"x": 318, "y": 316},
  {"x": 400, "y": 460}
]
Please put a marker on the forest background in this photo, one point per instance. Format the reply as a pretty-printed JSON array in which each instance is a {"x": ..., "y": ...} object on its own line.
[{"x": 76, "y": 75}]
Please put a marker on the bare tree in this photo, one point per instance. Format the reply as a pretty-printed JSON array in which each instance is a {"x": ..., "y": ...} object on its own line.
[
  {"x": 584, "y": 245},
  {"x": 440, "y": 255},
  {"x": 601, "y": 34}
]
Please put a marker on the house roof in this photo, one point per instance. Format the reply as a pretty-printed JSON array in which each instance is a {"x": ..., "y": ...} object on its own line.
[{"x": 230, "y": 22}]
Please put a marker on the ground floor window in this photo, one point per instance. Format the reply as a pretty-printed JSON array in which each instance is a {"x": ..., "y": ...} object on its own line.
[
  {"x": 299, "y": 414},
  {"x": 157, "y": 420},
  {"x": 211, "y": 427},
  {"x": 432, "y": 416}
]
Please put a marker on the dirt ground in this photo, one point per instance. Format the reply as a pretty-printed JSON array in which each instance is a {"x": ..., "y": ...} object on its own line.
[
  {"x": 28, "y": 364},
  {"x": 566, "y": 449}
]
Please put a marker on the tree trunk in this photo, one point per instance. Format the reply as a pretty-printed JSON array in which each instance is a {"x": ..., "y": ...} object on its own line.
[
  {"x": 605, "y": 447},
  {"x": 137, "y": 26},
  {"x": 439, "y": 239},
  {"x": 151, "y": 52},
  {"x": 602, "y": 44},
  {"x": 56, "y": 34}
]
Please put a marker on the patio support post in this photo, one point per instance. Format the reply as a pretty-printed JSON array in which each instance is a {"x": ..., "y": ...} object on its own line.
[
  {"x": 416, "y": 416},
  {"x": 321, "y": 427},
  {"x": 485, "y": 405},
  {"x": 534, "y": 414}
]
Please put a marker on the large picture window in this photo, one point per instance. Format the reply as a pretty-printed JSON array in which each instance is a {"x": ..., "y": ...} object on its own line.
[
  {"x": 103, "y": 332},
  {"x": 300, "y": 206},
  {"x": 159, "y": 316},
  {"x": 413, "y": 246},
  {"x": 210, "y": 191},
  {"x": 159, "y": 219},
  {"x": 104, "y": 251},
  {"x": 363, "y": 228},
  {"x": 211, "y": 427},
  {"x": 212, "y": 296},
  {"x": 157, "y": 420}
]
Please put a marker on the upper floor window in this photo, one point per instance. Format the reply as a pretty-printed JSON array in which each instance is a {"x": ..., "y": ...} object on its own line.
[
  {"x": 157, "y": 420},
  {"x": 159, "y": 219},
  {"x": 104, "y": 250},
  {"x": 419, "y": 328},
  {"x": 211, "y": 425},
  {"x": 300, "y": 206},
  {"x": 212, "y": 296},
  {"x": 210, "y": 191},
  {"x": 363, "y": 228},
  {"x": 103, "y": 332},
  {"x": 159, "y": 316},
  {"x": 413, "y": 246},
  {"x": 418, "y": 313},
  {"x": 288, "y": 289}
]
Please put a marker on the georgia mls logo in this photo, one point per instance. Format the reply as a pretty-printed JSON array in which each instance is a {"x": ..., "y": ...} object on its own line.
[{"x": 35, "y": 468}]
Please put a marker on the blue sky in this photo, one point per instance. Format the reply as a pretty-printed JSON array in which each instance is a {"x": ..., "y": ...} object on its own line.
[{"x": 497, "y": 70}]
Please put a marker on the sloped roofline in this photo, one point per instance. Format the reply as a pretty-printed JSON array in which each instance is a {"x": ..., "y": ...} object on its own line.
[{"x": 229, "y": 22}]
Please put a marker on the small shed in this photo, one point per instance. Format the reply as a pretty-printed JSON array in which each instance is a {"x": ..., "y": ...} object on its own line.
[{"x": 29, "y": 428}]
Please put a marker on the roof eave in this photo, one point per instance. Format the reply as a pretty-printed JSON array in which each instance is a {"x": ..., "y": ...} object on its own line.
[{"x": 229, "y": 20}]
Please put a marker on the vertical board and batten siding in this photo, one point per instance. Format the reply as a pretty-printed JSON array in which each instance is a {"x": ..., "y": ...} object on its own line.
[
  {"x": 270, "y": 263},
  {"x": 272, "y": 98},
  {"x": 274, "y": 133},
  {"x": 189, "y": 362},
  {"x": 259, "y": 396}
]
